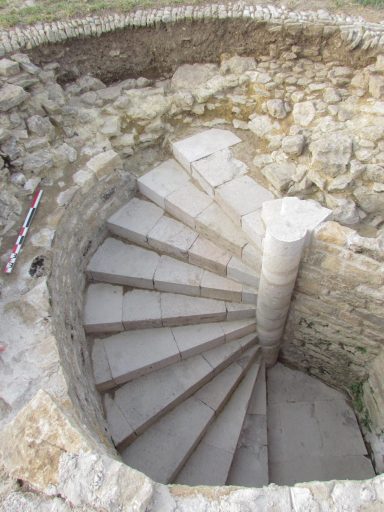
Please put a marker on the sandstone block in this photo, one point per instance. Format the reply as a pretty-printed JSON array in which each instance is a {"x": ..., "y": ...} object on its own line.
[{"x": 104, "y": 163}]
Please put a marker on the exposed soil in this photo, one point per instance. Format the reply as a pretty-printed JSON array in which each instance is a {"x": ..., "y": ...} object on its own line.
[{"x": 157, "y": 52}]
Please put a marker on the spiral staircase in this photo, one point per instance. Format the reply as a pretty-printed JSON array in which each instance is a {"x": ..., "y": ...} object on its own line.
[{"x": 171, "y": 313}]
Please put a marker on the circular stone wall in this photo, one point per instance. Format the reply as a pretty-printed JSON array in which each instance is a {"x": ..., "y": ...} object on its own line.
[{"x": 314, "y": 124}]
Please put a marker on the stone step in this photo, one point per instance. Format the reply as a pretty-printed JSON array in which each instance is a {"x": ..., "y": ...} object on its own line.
[
  {"x": 172, "y": 189},
  {"x": 108, "y": 309},
  {"x": 211, "y": 461},
  {"x": 201, "y": 145},
  {"x": 145, "y": 223},
  {"x": 163, "y": 449},
  {"x": 250, "y": 463},
  {"x": 139, "y": 403},
  {"x": 126, "y": 356},
  {"x": 116, "y": 262}
]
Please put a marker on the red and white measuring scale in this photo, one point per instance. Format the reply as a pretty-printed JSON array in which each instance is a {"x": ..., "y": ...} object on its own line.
[{"x": 23, "y": 232}]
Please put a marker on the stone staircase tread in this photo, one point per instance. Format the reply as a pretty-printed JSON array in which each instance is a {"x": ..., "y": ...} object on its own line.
[
  {"x": 250, "y": 461},
  {"x": 123, "y": 263},
  {"x": 162, "y": 181},
  {"x": 164, "y": 447},
  {"x": 138, "y": 404},
  {"x": 125, "y": 356},
  {"x": 211, "y": 461},
  {"x": 241, "y": 196},
  {"x": 108, "y": 310},
  {"x": 201, "y": 145},
  {"x": 144, "y": 223}
]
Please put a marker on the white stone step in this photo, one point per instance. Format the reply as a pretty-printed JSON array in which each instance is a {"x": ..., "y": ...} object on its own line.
[
  {"x": 139, "y": 403},
  {"x": 163, "y": 449},
  {"x": 217, "y": 169},
  {"x": 126, "y": 356},
  {"x": 144, "y": 223},
  {"x": 211, "y": 461},
  {"x": 250, "y": 463},
  {"x": 201, "y": 145},
  {"x": 193, "y": 208},
  {"x": 108, "y": 310},
  {"x": 119, "y": 263},
  {"x": 241, "y": 196}
]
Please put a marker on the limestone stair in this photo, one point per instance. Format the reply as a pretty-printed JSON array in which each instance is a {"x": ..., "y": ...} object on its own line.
[
  {"x": 163, "y": 449},
  {"x": 171, "y": 313}
]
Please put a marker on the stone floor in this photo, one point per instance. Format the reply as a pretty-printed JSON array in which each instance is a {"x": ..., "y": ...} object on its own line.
[{"x": 313, "y": 433}]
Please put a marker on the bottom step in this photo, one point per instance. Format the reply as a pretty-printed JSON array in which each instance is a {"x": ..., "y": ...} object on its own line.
[
  {"x": 163, "y": 449},
  {"x": 211, "y": 461}
]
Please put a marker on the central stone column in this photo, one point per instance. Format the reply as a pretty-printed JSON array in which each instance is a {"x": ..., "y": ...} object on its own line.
[{"x": 289, "y": 223}]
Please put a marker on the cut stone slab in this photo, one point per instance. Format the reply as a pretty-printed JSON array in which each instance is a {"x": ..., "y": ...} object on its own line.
[
  {"x": 217, "y": 169},
  {"x": 143, "y": 400},
  {"x": 252, "y": 256},
  {"x": 239, "y": 328},
  {"x": 249, "y": 295},
  {"x": 229, "y": 351},
  {"x": 135, "y": 220},
  {"x": 103, "y": 308},
  {"x": 241, "y": 196},
  {"x": 250, "y": 462},
  {"x": 141, "y": 309},
  {"x": 177, "y": 277},
  {"x": 237, "y": 270},
  {"x": 118, "y": 425},
  {"x": 240, "y": 311},
  {"x": 172, "y": 237},
  {"x": 135, "y": 353},
  {"x": 211, "y": 462},
  {"x": 253, "y": 226},
  {"x": 219, "y": 287},
  {"x": 164, "y": 179},
  {"x": 177, "y": 309},
  {"x": 215, "y": 225},
  {"x": 193, "y": 339},
  {"x": 202, "y": 145},
  {"x": 120, "y": 263},
  {"x": 101, "y": 370},
  {"x": 163, "y": 449},
  {"x": 208, "y": 255},
  {"x": 187, "y": 203},
  {"x": 329, "y": 435},
  {"x": 104, "y": 163}
]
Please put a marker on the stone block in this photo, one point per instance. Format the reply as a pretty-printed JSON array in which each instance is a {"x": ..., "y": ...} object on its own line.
[
  {"x": 238, "y": 329},
  {"x": 9, "y": 67},
  {"x": 253, "y": 226},
  {"x": 187, "y": 203},
  {"x": 240, "y": 272},
  {"x": 177, "y": 277},
  {"x": 177, "y": 309},
  {"x": 172, "y": 237},
  {"x": 208, "y": 255},
  {"x": 241, "y": 196},
  {"x": 218, "y": 168},
  {"x": 164, "y": 179},
  {"x": 135, "y": 220},
  {"x": 104, "y": 163},
  {"x": 376, "y": 86},
  {"x": 103, "y": 308},
  {"x": 101, "y": 370},
  {"x": 214, "y": 224},
  {"x": 119, "y": 263},
  {"x": 11, "y": 96},
  {"x": 236, "y": 311},
  {"x": 141, "y": 309},
  {"x": 194, "y": 339},
  {"x": 128, "y": 359},
  {"x": 219, "y": 287},
  {"x": 202, "y": 145}
]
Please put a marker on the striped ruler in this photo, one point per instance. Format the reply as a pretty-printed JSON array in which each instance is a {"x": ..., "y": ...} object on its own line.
[{"x": 23, "y": 232}]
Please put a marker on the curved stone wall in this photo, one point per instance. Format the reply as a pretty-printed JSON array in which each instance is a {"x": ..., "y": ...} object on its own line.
[{"x": 82, "y": 145}]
